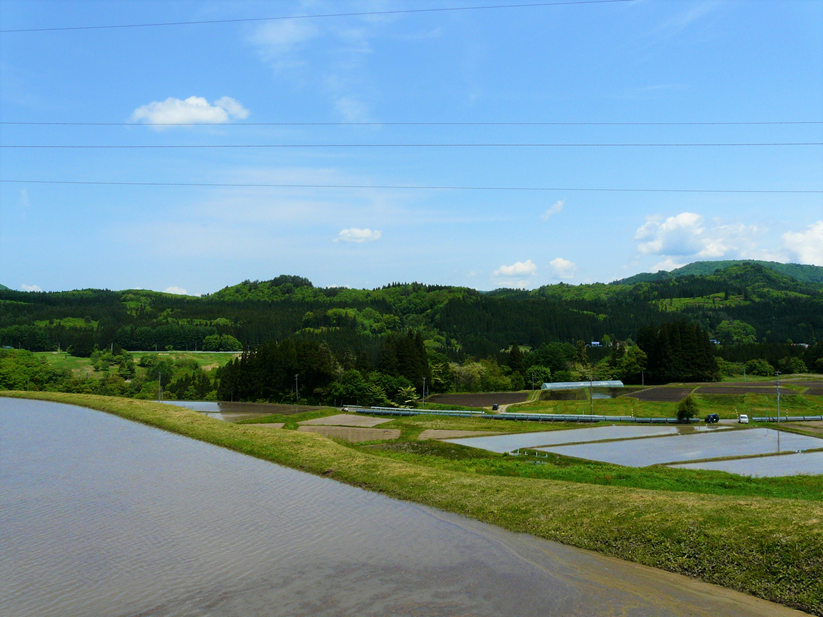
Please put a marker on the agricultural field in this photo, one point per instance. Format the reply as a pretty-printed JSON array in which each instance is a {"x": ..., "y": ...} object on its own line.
[
  {"x": 671, "y": 518},
  {"x": 82, "y": 367},
  {"x": 479, "y": 399},
  {"x": 661, "y": 402}
]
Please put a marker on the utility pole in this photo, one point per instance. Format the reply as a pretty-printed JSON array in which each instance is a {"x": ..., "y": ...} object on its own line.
[
  {"x": 777, "y": 378},
  {"x": 160, "y": 387},
  {"x": 642, "y": 378},
  {"x": 424, "y": 393},
  {"x": 591, "y": 394},
  {"x": 296, "y": 391},
  {"x": 744, "y": 374}
]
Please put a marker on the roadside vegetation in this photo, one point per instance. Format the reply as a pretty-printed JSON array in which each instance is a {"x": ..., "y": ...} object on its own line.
[{"x": 762, "y": 537}]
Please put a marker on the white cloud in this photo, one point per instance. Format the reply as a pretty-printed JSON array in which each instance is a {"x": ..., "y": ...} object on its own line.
[
  {"x": 232, "y": 107},
  {"x": 25, "y": 287},
  {"x": 279, "y": 38},
  {"x": 554, "y": 209},
  {"x": 667, "y": 264},
  {"x": 518, "y": 268},
  {"x": 677, "y": 235},
  {"x": 687, "y": 236},
  {"x": 194, "y": 109},
  {"x": 24, "y": 198},
  {"x": 519, "y": 274},
  {"x": 562, "y": 268},
  {"x": 806, "y": 246},
  {"x": 354, "y": 234},
  {"x": 175, "y": 290}
]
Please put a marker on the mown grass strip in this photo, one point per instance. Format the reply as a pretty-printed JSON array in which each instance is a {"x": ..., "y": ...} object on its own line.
[{"x": 770, "y": 548}]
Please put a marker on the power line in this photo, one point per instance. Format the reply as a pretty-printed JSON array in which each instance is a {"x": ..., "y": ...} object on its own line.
[
  {"x": 316, "y": 16},
  {"x": 536, "y": 123},
  {"x": 399, "y": 145},
  {"x": 408, "y": 187}
]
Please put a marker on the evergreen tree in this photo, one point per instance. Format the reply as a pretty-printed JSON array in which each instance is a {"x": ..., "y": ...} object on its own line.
[
  {"x": 516, "y": 359},
  {"x": 678, "y": 351}
]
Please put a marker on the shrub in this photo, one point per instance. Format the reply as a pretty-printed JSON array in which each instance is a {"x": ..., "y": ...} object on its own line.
[{"x": 687, "y": 409}]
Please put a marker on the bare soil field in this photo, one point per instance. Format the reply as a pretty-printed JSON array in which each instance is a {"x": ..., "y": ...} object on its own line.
[
  {"x": 813, "y": 427},
  {"x": 664, "y": 395},
  {"x": 481, "y": 399},
  {"x": 814, "y": 391},
  {"x": 742, "y": 390},
  {"x": 265, "y": 408},
  {"x": 352, "y": 434},
  {"x": 344, "y": 419}
]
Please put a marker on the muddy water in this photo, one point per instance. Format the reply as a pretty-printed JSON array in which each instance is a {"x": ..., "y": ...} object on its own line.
[{"x": 101, "y": 516}]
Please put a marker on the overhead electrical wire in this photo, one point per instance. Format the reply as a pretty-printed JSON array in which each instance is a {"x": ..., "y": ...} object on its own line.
[
  {"x": 320, "y": 16},
  {"x": 411, "y": 187},
  {"x": 398, "y": 145},
  {"x": 536, "y": 123}
]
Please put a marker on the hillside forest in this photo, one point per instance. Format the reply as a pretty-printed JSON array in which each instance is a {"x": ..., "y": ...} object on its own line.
[{"x": 377, "y": 346}]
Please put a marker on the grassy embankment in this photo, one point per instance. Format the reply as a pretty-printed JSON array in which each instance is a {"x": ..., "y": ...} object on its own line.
[{"x": 767, "y": 547}]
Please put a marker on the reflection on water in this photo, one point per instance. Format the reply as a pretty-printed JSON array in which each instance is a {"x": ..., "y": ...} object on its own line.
[
  {"x": 101, "y": 516},
  {"x": 808, "y": 463},
  {"x": 694, "y": 447},
  {"x": 510, "y": 443}
]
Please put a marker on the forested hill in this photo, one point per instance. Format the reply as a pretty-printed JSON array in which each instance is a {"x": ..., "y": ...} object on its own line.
[
  {"x": 803, "y": 273},
  {"x": 740, "y": 304}
]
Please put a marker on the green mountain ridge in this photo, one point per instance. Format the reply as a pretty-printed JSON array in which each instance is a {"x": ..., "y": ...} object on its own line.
[
  {"x": 800, "y": 272},
  {"x": 743, "y": 303}
]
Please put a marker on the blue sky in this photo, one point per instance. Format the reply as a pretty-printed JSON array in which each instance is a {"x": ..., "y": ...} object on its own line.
[{"x": 644, "y": 61}]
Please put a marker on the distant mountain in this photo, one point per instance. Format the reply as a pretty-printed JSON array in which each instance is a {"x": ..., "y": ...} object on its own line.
[
  {"x": 742, "y": 302},
  {"x": 3, "y": 288},
  {"x": 802, "y": 273}
]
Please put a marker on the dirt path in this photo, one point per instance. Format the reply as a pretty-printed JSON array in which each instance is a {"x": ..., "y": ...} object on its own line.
[{"x": 533, "y": 396}]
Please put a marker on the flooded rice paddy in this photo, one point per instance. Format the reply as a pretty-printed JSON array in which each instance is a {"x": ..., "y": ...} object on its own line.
[
  {"x": 681, "y": 448},
  {"x": 101, "y": 516},
  {"x": 804, "y": 463},
  {"x": 640, "y": 446},
  {"x": 510, "y": 443},
  {"x": 231, "y": 412}
]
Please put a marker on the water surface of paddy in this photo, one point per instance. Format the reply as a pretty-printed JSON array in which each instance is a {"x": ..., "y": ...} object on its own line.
[
  {"x": 681, "y": 448},
  {"x": 101, "y": 516}
]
